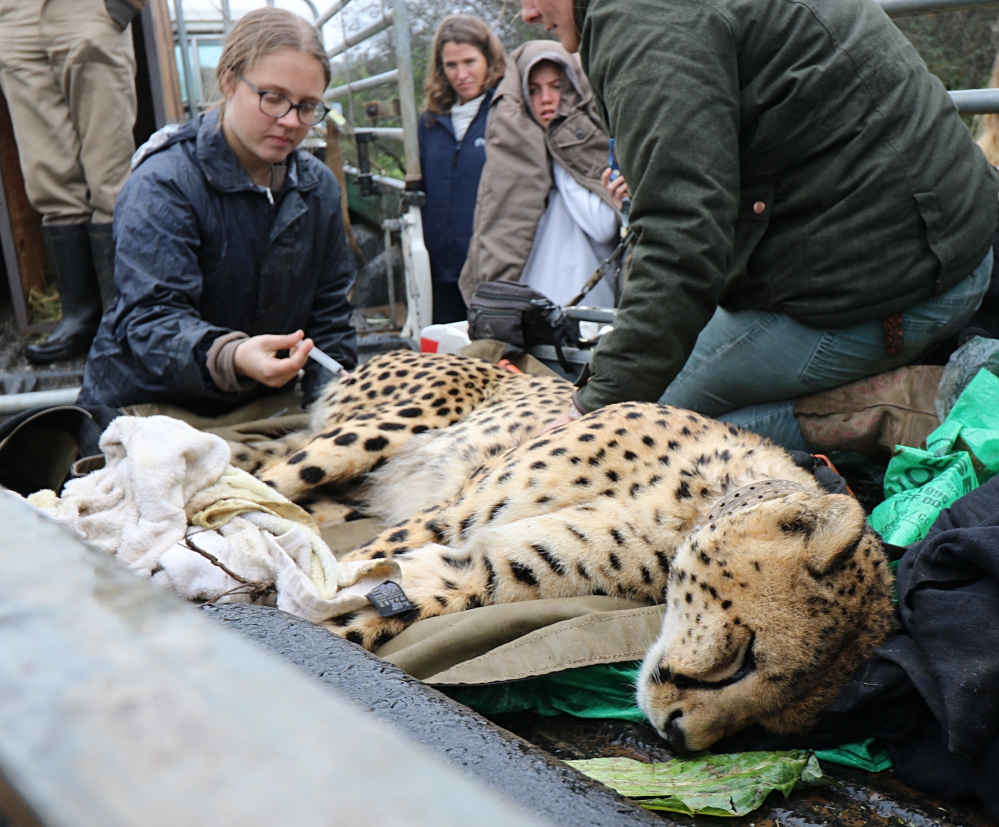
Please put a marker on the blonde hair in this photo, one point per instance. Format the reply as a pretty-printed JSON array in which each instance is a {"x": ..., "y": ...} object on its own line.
[
  {"x": 262, "y": 31},
  {"x": 988, "y": 134},
  {"x": 460, "y": 28}
]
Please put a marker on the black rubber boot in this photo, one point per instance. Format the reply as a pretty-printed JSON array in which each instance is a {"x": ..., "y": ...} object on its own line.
[
  {"x": 68, "y": 246},
  {"x": 102, "y": 248}
]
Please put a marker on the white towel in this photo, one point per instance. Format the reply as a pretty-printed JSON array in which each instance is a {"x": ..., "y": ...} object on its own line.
[{"x": 169, "y": 506}]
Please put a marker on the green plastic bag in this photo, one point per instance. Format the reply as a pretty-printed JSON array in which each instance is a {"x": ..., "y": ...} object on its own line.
[
  {"x": 973, "y": 426},
  {"x": 865, "y": 755},
  {"x": 960, "y": 455},
  {"x": 918, "y": 486},
  {"x": 599, "y": 691},
  {"x": 716, "y": 785}
]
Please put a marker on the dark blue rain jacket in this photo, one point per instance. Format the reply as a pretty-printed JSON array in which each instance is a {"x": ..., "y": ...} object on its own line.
[
  {"x": 451, "y": 172},
  {"x": 200, "y": 251}
]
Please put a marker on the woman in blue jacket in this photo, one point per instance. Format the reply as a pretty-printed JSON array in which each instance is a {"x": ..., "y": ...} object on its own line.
[
  {"x": 229, "y": 242},
  {"x": 468, "y": 63}
]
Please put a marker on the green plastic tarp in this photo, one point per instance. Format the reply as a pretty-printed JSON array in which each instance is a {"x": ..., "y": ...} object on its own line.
[{"x": 959, "y": 456}]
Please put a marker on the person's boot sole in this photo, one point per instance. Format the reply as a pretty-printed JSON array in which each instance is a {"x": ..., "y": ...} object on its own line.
[{"x": 37, "y": 355}]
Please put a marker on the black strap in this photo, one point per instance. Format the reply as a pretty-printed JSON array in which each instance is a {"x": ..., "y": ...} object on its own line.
[{"x": 602, "y": 269}]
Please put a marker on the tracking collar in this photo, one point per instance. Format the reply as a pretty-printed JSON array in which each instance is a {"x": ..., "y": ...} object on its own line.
[{"x": 753, "y": 494}]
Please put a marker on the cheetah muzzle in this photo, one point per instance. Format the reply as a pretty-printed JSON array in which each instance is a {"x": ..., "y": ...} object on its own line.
[{"x": 771, "y": 603}]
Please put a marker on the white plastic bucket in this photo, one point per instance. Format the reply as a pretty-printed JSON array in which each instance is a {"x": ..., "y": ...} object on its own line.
[{"x": 444, "y": 338}]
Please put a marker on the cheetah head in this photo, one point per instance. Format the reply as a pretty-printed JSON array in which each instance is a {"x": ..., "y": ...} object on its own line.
[{"x": 770, "y": 610}]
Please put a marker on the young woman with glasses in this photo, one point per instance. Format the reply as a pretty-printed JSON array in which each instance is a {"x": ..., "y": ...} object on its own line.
[{"x": 230, "y": 252}]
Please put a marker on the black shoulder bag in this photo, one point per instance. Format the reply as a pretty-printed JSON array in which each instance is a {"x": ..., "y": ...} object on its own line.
[{"x": 520, "y": 316}]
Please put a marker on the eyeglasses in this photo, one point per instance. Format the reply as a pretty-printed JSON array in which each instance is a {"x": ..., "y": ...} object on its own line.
[{"x": 276, "y": 105}]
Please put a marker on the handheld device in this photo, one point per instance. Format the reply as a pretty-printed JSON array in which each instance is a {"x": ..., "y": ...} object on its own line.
[
  {"x": 615, "y": 169},
  {"x": 613, "y": 164}
]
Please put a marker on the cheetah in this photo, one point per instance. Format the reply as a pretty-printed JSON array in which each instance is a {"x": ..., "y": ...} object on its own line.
[
  {"x": 403, "y": 433},
  {"x": 775, "y": 591}
]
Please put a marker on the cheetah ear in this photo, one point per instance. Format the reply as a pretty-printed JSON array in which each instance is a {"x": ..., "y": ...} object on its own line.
[{"x": 838, "y": 527}]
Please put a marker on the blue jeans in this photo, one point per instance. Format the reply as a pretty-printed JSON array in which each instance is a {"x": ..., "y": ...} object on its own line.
[{"x": 749, "y": 365}]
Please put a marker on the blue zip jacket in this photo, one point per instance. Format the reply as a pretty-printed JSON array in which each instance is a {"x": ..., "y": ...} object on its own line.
[
  {"x": 200, "y": 251},
  {"x": 451, "y": 172}
]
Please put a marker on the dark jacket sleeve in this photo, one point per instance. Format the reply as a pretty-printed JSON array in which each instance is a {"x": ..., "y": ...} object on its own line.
[
  {"x": 159, "y": 283},
  {"x": 329, "y": 322},
  {"x": 672, "y": 103}
]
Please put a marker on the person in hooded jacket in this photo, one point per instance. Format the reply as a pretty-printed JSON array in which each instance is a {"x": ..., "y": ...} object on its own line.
[
  {"x": 230, "y": 245},
  {"x": 810, "y": 209},
  {"x": 468, "y": 62},
  {"x": 546, "y": 215}
]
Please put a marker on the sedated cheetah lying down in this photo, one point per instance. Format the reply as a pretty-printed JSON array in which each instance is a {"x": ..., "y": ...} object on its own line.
[{"x": 775, "y": 590}]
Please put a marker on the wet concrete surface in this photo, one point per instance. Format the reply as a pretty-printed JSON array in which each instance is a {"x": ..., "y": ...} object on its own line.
[
  {"x": 520, "y": 754},
  {"x": 526, "y": 775}
]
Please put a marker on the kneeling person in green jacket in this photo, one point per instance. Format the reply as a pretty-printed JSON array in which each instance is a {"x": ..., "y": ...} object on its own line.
[{"x": 809, "y": 206}]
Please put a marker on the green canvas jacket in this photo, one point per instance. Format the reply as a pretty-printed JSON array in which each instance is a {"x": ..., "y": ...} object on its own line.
[{"x": 873, "y": 195}]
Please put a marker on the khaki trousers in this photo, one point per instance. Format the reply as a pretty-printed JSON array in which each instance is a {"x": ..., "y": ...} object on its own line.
[{"x": 68, "y": 75}]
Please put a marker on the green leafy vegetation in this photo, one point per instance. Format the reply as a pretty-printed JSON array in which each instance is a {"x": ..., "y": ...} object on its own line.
[{"x": 717, "y": 785}]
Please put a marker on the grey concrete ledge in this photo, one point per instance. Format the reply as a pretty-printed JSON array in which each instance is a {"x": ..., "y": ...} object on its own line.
[{"x": 524, "y": 774}]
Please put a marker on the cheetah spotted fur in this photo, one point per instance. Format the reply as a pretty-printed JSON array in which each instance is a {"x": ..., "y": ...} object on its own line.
[
  {"x": 403, "y": 433},
  {"x": 769, "y": 607}
]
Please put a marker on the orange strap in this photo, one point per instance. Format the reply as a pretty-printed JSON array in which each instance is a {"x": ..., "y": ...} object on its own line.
[{"x": 506, "y": 364}]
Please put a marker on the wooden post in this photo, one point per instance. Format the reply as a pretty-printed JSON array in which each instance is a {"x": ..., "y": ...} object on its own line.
[
  {"x": 20, "y": 230},
  {"x": 154, "y": 43},
  {"x": 334, "y": 160}
]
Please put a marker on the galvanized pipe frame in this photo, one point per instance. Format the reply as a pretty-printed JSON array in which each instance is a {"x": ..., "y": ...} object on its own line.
[
  {"x": 185, "y": 57},
  {"x": 391, "y": 76},
  {"x": 976, "y": 101},
  {"x": 392, "y": 133},
  {"x": 367, "y": 32},
  {"x": 967, "y": 101},
  {"x": 911, "y": 8},
  {"x": 331, "y": 12},
  {"x": 407, "y": 95}
]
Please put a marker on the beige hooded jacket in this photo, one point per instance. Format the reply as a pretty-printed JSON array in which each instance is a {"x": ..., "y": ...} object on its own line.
[{"x": 517, "y": 176}]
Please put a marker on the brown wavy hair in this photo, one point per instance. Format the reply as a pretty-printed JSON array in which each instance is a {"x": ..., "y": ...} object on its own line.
[
  {"x": 988, "y": 134},
  {"x": 262, "y": 31},
  {"x": 439, "y": 96}
]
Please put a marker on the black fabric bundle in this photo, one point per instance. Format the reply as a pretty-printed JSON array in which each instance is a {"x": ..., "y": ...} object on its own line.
[{"x": 931, "y": 694}]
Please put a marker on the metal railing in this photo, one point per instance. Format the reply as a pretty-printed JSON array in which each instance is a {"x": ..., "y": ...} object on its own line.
[
  {"x": 366, "y": 33},
  {"x": 967, "y": 101},
  {"x": 360, "y": 85},
  {"x": 409, "y": 225},
  {"x": 976, "y": 101},
  {"x": 909, "y": 8}
]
